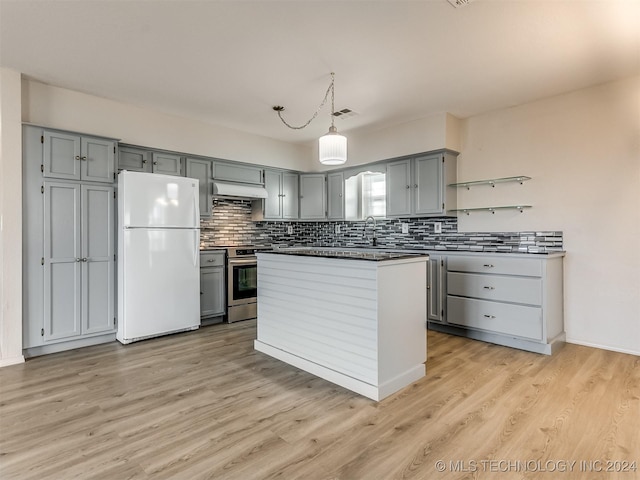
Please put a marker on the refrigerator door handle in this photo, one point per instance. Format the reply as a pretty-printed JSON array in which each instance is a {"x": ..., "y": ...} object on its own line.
[{"x": 196, "y": 247}]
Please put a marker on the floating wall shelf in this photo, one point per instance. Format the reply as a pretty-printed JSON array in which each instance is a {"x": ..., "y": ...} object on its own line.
[
  {"x": 520, "y": 179},
  {"x": 491, "y": 209}
]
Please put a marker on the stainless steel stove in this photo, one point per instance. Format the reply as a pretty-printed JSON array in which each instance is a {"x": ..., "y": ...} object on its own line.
[{"x": 242, "y": 282}]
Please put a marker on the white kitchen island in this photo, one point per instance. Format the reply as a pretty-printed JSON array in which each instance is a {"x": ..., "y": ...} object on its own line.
[{"x": 355, "y": 319}]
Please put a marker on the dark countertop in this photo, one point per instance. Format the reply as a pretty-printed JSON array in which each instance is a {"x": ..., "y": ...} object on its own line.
[{"x": 375, "y": 256}]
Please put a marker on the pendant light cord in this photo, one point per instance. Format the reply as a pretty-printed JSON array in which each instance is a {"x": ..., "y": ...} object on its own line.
[{"x": 280, "y": 109}]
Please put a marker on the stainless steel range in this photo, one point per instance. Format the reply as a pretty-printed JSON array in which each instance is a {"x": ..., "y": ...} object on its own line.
[{"x": 242, "y": 282}]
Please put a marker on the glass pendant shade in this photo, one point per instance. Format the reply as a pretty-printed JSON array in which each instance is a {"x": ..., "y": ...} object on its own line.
[{"x": 333, "y": 148}]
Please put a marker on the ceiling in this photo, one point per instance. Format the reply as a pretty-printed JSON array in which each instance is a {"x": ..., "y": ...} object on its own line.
[{"x": 228, "y": 62}]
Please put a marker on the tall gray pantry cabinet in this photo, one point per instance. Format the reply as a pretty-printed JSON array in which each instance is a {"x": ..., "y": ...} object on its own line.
[{"x": 68, "y": 240}]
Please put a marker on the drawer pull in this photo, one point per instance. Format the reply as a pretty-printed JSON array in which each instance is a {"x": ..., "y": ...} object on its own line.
[
  {"x": 488, "y": 265},
  {"x": 489, "y": 316},
  {"x": 489, "y": 288},
  {"x": 211, "y": 260}
]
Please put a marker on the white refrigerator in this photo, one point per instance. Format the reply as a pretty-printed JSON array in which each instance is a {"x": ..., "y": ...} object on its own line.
[{"x": 158, "y": 255}]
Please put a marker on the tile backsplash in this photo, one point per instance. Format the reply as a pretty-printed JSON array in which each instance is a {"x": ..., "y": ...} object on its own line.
[{"x": 231, "y": 224}]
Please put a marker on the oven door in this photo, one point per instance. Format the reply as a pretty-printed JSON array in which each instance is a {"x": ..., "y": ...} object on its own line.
[{"x": 242, "y": 279}]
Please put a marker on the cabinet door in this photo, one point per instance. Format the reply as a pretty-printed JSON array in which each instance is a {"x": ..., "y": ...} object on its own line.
[
  {"x": 166, "y": 163},
  {"x": 98, "y": 162},
  {"x": 134, "y": 159},
  {"x": 428, "y": 185},
  {"x": 273, "y": 203},
  {"x": 237, "y": 173},
  {"x": 399, "y": 188},
  {"x": 335, "y": 196},
  {"x": 212, "y": 292},
  {"x": 436, "y": 288},
  {"x": 201, "y": 169},
  {"x": 290, "y": 195},
  {"x": 98, "y": 265},
  {"x": 62, "y": 157},
  {"x": 62, "y": 260},
  {"x": 313, "y": 196}
]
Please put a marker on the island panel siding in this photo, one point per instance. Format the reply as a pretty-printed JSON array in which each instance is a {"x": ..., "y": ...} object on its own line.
[{"x": 360, "y": 324}]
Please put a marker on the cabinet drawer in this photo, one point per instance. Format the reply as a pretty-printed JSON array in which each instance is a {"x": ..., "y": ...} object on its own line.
[
  {"x": 518, "y": 320},
  {"x": 212, "y": 259},
  {"x": 496, "y": 287},
  {"x": 496, "y": 265}
]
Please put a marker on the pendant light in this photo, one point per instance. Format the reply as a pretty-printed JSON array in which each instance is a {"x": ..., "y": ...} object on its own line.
[{"x": 332, "y": 147}]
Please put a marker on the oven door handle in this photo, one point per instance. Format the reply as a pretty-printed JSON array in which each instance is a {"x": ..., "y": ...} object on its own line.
[{"x": 242, "y": 261}]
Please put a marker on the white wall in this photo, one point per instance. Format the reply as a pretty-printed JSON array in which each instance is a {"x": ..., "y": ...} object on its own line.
[
  {"x": 582, "y": 151},
  {"x": 429, "y": 133},
  {"x": 65, "y": 109},
  {"x": 10, "y": 219}
]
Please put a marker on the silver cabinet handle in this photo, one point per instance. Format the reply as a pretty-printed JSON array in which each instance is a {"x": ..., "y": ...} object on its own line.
[
  {"x": 144, "y": 161},
  {"x": 211, "y": 260},
  {"x": 83, "y": 158},
  {"x": 488, "y": 265},
  {"x": 78, "y": 259},
  {"x": 489, "y": 316},
  {"x": 78, "y": 157},
  {"x": 408, "y": 186},
  {"x": 85, "y": 259},
  {"x": 415, "y": 185},
  {"x": 155, "y": 163},
  {"x": 489, "y": 288}
]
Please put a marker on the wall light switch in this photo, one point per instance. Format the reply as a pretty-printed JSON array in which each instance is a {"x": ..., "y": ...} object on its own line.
[
  {"x": 337, "y": 228},
  {"x": 437, "y": 227},
  {"x": 290, "y": 230},
  {"x": 405, "y": 228}
]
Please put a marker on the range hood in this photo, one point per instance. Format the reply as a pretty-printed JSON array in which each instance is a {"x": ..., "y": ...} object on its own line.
[{"x": 238, "y": 190}]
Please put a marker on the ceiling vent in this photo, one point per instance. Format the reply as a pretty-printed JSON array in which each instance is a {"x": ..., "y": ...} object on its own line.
[
  {"x": 459, "y": 3},
  {"x": 344, "y": 113}
]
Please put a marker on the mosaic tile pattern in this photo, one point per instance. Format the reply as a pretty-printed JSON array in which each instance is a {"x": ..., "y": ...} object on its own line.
[{"x": 231, "y": 224}]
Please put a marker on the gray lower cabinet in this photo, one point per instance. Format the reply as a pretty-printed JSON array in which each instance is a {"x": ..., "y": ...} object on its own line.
[
  {"x": 201, "y": 169},
  {"x": 418, "y": 186},
  {"x": 212, "y": 284},
  {"x": 514, "y": 301},
  {"x": 436, "y": 288},
  {"x": 335, "y": 196},
  {"x": 282, "y": 202},
  {"x": 74, "y": 157},
  {"x": 313, "y": 196},
  {"x": 78, "y": 261}
]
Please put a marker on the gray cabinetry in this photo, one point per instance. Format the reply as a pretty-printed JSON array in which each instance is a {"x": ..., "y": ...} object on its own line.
[
  {"x": 138, "y": 159},
  {"x": 166, "y": 163},
  {"x": 228, "y": 172},
  {"x": 282, "y": 202},
  {"x": 417, "y": 186},
  {"x": 75, "y": 157},
  {"x": 201, "y": 169},
  {"x": 313, "y": 196},
  {"x": 335, "y": 196},
  {"x": 212, "y": 285},
  {"x": 78, "y": 261},
  {"x": 514, "y": 301},
  {"x": 134, "y": 159},
  {"x": 436, "y": 288}
]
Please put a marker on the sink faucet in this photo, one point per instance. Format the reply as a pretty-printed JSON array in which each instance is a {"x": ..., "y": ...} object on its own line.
[{"x": 374, "y": 240}]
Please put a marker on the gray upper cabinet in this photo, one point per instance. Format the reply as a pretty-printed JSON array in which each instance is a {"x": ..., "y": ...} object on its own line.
[
  {"x": 313, "y": 196},
  {"x": 75, "y": 157},
  {"x": 335, "y": 196},
  {"x": 134, "y": 159},
  {"x": 418, "y": 186},
  {"x": 166, "y": 163},
  {"x": 78, "y": 261},
  {"x": 201, "y": 169},
  {"x": 282, "y": 202},
  {"x": 227, "y": 172}
]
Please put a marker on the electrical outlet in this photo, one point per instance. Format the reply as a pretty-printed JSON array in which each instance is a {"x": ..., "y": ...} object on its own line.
[
  {"x": 437, "y": 227},
  {"x": 337, "y": 228},
  {"x": 290, "y": 230},
  {"x": 405, "y": 228}
]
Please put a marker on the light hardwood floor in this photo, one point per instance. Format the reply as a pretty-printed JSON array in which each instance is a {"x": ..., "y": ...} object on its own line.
[{"x": 204, "y": 404}]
